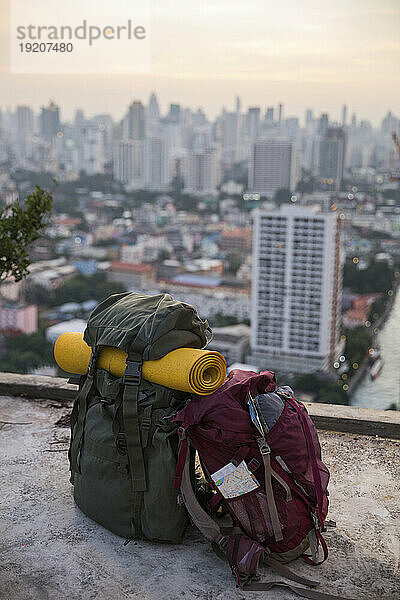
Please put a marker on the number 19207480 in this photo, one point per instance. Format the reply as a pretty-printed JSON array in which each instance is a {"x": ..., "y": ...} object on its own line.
[{"x": 45, "y": 47}]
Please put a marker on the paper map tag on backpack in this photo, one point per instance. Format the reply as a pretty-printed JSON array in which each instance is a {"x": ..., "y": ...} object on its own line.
[{"x": 234, "y": 481}]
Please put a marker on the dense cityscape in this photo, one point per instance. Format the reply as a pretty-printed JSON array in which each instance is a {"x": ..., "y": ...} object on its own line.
[{"x": 283, "y": 232}]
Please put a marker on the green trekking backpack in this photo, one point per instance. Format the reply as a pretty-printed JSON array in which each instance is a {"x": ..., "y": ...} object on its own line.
[{"x": 124, "y": 446}]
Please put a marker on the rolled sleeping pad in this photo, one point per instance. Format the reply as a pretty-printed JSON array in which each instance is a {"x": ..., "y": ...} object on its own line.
[{"x": 186, "y": 369}]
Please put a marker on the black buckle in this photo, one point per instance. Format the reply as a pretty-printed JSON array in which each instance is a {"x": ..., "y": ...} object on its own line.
[
  {"x": 253, "y": 465},
  {"x": 133, "y": 373},
  {"x": 123, "y": 469},
  {"x": 121, "y": 443},
  {"x": 146, "y": 423}
]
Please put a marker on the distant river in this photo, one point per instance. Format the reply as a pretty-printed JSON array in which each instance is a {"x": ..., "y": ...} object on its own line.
[{"x": 385, "y": 390}]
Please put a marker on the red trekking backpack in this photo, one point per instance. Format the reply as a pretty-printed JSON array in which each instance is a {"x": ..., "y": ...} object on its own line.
[{"x": 260, "y": 453}]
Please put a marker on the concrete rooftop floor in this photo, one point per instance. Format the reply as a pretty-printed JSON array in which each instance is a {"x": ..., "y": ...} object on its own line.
[{"x": 49, "y": 550}]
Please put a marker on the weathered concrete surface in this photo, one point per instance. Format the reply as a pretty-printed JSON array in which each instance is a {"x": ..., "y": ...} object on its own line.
[
  {"x": 354, "y": 419},
  {"x": 37, "y": 386},
  {"x": 50, "y": 551}
]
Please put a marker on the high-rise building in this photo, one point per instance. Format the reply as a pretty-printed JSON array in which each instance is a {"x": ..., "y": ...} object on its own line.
[
  {"x": 272, "y": 166},
  {"x": 49, "y": 121},
  {"x": 269, "y": 115},
  {"x": 24, "y": 131},
  {"x": 253, "y": 122},
  {"x": 79, "y": 119},
  {"x": 292, "y": 128},
  {"x": 323, "y": 123},
  {"x": 134, "y": 125},
  {"x": 390, "y": 123},
  {"x": 105, "y": 124},
  {"x": 129, "y": 163},
  {"x": 238, "y": 105},
  {"x": 156, "y": 161},
  {"x": 91, "y": 151},
  {"x": 280, "y": 113},
  {"x": 344, "y": 115},
  {"x": 202, "y": 173},
  {"x": 230, "y": 136},
  {"x": 153, "y": 109},
  {"x": 174, "y": 113},
  {"x": 331, "y": 157},
  {"x": 297, "y": 282}
]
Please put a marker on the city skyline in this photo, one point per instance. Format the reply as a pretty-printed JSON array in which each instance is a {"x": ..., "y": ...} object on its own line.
[
  {"x": 335, "y": 116},
  {"x": 311, "y": 56},
  {"x": 67, "y": 114},
  {"x": 182, "y": 148}
]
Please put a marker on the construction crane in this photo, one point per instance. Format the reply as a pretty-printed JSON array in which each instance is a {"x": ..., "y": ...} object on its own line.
[{"x": 396, "y": 176}]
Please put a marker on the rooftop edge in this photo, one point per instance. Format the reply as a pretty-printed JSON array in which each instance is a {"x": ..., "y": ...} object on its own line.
[{"x": 331, "y": 417}]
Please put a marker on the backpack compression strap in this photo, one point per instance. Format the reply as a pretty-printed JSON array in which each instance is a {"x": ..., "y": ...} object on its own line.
[
  {"x": 265, "y": 452},
  {"x": 303, "y": 592},
  {"x": 132, "y": 379}
]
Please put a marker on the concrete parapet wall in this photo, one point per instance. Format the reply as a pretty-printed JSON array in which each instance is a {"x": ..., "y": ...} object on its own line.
[{"x": 331, "y": 417}]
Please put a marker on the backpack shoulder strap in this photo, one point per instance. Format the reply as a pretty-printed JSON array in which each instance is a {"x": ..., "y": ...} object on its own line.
[
  {"x": 203, "y": 521},
  {"x": 78, "y": 416}
]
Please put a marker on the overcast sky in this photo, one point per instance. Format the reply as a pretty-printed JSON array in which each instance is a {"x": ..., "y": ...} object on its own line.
[{"x": 305, "y": 53}]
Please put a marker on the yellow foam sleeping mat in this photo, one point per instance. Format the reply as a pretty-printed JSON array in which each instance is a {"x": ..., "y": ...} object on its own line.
[{"x": 186, "y": 369}]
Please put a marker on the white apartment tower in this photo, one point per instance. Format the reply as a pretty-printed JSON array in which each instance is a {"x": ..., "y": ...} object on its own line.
[
  {"x": 272, "y": 166},
  {"x": 202, "y": 171},
  {"x": 129, "y": 163},
  {"x": 142, "y": 164},
  {"x": 91, "y": 153},
  {"x": 24, "y": 136},
  {"x": 157, "y": 175},
  {"x": 297, "y": 284}
]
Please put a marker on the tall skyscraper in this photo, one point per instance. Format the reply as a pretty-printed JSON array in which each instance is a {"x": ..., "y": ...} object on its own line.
[
  {"x": 134, "y": 127},
  {"x": 230, "y": 136},
  {"x": 154, "y": 109},
  {"x": 253, "y": 122},
  {"x": 238, "y": 105},
  {"x": 129, "y": 163},
  {"x": 297, "y": 283},
  {"x": 344, "y": 115},
  {"x": 272, "y": 166},
  {"x": 323, "y": 123},
  {"x": 389, "y": 124},
  {"x": 280, "y": 114},
  {"x": 49, "y": 121},
  {"x": 269, "y": 115},
  {"x": 174, "y": 113},
  {"x": 91, "y": 151},
  {"x": 79, "y": 118},
  {"x": 156, "y": 161},
  {"x": 24, "y": 131},
  {"x": 202, "y": 172},
  {"x": 331, "y": 156},
  {"x": 106, "y": 126}
]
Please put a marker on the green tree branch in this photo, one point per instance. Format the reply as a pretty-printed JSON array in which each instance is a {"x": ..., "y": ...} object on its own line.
[{"x": 20, "y": 226}]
